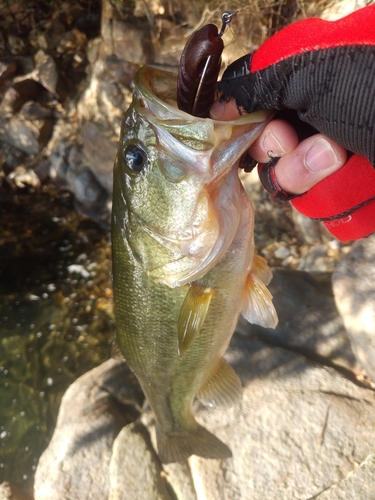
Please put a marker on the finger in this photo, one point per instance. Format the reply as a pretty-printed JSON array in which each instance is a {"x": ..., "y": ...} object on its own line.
[
  {"x": 224, "y": 110},
  {"x": 311, "y": 161},
  {"x": 277, "y": 139},
  {"x": 302, "y": 165}
]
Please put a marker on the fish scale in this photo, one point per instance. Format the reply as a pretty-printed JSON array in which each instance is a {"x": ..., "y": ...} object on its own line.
[{"x": 183, "y": 268}]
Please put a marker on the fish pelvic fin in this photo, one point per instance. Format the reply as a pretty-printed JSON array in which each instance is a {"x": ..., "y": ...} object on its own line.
[
  {"x": 201, "y": 442},
  {"x": 223, "y": 389},
  {"x": 192, "y": 315},
  {"x": 116, "y": 352},
  {"x": 258, "y": 307}
]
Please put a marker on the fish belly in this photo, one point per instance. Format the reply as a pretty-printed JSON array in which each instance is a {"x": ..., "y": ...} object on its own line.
[{"x": 147, "y": 315}]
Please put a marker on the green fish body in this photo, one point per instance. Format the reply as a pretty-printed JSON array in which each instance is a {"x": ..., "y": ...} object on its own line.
[{"x": 183, "y": 259}]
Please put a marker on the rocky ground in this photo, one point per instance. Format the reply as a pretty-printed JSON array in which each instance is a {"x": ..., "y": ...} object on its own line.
[{"x": 305, "y": 428}]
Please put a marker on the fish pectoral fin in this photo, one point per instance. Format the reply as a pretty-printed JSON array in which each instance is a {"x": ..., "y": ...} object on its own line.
[
  {"x": 199, "y": 441},
  {"x": 223, "y": 389},
  {"x": 261, "y": 269},
  {"x": 258, "y": 307},
  {"x": 192, "y": 315}
]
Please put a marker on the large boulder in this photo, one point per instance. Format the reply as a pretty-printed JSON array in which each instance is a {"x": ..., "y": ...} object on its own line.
[
  {"x": 354, "y": 290},
  {"x": 93, "y": 410},
  {"x": 300, "y": 431}
]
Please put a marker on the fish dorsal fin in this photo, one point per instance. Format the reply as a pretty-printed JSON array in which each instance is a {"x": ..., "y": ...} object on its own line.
[
  {"x": 258, "y": 307},
  {"x": 223, "y": 389},
  {"x": 192, "y": 315}
]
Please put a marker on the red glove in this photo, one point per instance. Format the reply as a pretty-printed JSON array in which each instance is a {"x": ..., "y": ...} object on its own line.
[{"x": 325, "y": 71}]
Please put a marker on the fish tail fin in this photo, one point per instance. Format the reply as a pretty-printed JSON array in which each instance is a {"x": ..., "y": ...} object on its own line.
[{"x": 179, "y": 447}]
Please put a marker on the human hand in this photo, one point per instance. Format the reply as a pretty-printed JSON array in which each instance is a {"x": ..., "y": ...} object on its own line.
[
  {"x": 322, "y": 72},
  {"x": 302, "y": 164}
]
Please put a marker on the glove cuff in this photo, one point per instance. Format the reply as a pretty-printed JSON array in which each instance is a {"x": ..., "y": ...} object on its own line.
[{"x": 344, "y": 201}]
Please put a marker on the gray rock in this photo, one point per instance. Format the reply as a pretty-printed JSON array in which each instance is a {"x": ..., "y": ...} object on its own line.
[
  {"x": 75, "y": 465},
  {"x": 25, "y": 123},
  {"x": 310, "y": 231},
  {"x": 282, "y": 252},
  {"x": 67, "y": 166},
  {"x": 299, "y": 430},
  {"x": 21, "y": 92},
  {"x": 360, "y": 483},
  {"x": 100, "y": 152},
  {"x": 354, "y": 290},
  {"x": 35, "y": 111},
  {"x": 86, "y": 188},
  {"x": 108, "y": 94},
  {"x": 44, "y": 72},
  {"x": 309, "y": 322},
  {"x": 181, "y": 480},
  {"x": 133, "y": 41},
  {"x": 121, "y": 37},
  {"x": 135, "y": 470},
  {"x": 316, "y": 260},
  {"x": 20, "y": 134}
]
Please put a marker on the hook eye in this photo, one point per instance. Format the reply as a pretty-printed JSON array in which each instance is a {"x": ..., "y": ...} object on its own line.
[{"x": 226, "y": 19}]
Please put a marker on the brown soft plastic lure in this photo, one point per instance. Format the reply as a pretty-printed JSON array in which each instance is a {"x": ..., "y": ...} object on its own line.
[{"x": 199, "y": 68}]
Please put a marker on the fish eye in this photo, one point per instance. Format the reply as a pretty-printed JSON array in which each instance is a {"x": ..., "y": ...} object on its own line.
[{"x": 135, "y": 158}]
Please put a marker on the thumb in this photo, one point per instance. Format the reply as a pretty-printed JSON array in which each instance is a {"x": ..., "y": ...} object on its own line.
[{"x": 311, "y": 161}]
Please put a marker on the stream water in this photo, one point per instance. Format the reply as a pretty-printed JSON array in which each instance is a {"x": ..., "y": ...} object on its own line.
[{"x": 56, "y": 318}]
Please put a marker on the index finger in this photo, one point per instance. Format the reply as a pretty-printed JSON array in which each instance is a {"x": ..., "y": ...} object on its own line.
[
  {"x": 225, "y": 111},
  {"x": 277, "y": 139}
]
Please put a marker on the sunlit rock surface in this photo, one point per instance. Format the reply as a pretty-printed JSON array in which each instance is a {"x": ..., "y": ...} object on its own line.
[
  {"x": 300, "y": 431},
  {"x": 93, "y": 410},
  {"x": 354, "y": 290},
  {"x": 309, "y": 322}
]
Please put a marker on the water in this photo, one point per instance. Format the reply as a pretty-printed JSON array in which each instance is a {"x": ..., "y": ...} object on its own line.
[{"x": 56, "y": 319}]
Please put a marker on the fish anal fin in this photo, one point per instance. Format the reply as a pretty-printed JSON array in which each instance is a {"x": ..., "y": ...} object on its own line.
[
  {"x": 258, "y": 307},
  {"x": 178, "y": 447},
  {"x": 223, "y": 389},
  {"x": 192, "y": 315}
]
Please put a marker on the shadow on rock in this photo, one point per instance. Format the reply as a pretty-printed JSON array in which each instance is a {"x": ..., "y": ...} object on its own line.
[
  {"x": 309, "y": 322},
  {"x": 92, "y": 413}
]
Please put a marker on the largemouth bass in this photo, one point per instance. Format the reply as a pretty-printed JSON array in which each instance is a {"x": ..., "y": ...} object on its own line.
[{"x": 183, "y": 259}]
